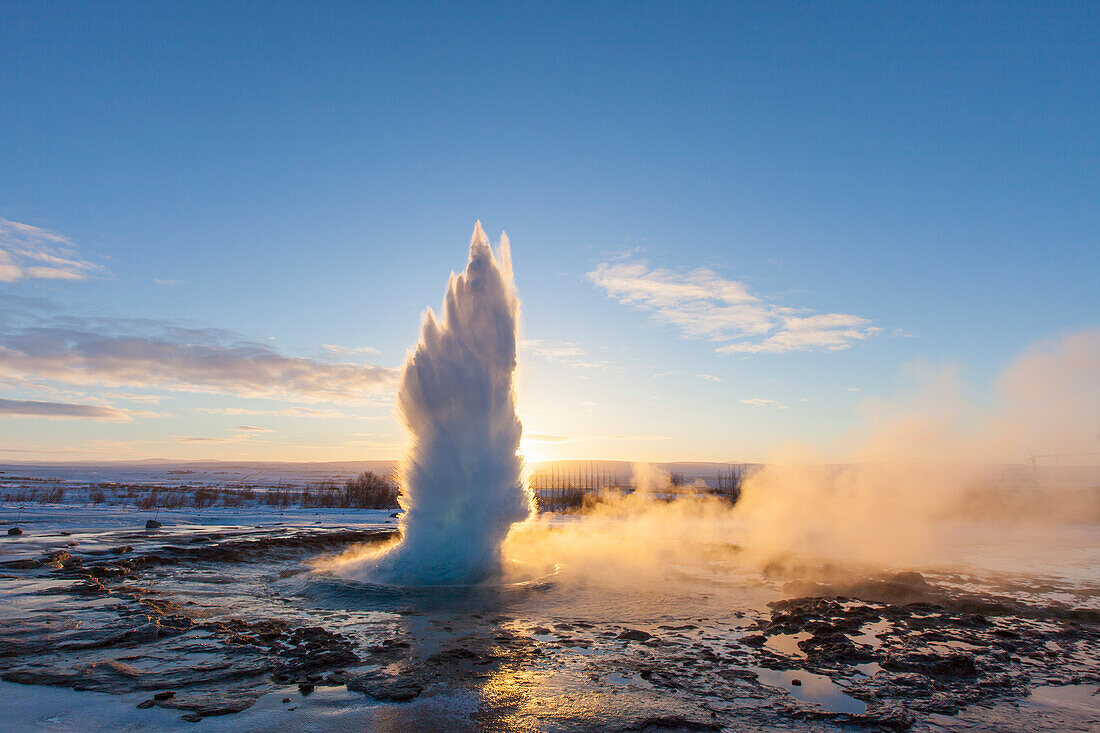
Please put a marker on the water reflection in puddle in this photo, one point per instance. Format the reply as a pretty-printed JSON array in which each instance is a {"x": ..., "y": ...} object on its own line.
[
  {"x": 869, "y": 668},
  {"x": 787, "y": 644},
  {"x": 869, "y": 634},
  {"x": 814, "y": 688}
]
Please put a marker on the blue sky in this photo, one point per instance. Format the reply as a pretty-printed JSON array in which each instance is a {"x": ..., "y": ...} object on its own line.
[{"x": 235, "y": 189}]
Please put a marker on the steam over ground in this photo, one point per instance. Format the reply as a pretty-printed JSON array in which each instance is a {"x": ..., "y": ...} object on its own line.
[{"x": 901, "y": 484}]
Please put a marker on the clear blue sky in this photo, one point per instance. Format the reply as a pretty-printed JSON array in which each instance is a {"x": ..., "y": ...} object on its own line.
[{"x": 302, "y": 175}]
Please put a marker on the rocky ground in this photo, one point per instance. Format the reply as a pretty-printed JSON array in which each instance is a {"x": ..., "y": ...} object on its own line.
[{"x": 206, "y": 621}]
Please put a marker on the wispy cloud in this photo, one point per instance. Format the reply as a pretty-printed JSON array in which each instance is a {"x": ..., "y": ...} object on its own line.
[
  {"x": 309, "y": 412},
  {"x": 205, "y": 439},
  {"x": 148, "y": 399},
  {"x": 61, "y": 410},
  {"x": 31, "y": 253},
  {"x": 551, "y": 438},
  {"x": 709, "y": 378},
  {"x": 761, "y": 402},
  {"x": 253, "y": 429},
  {"x": 349, "y": 352},
  {"x": 703, "y": 304},
  {"x": 169, "y": 283},
  {"x": 143, "y": 353},
  {"x": 563, "y": 352}
]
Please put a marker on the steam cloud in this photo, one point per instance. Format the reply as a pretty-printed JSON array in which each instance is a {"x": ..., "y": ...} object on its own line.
[
  {"x": 462, "y": 477},
  {"x": 918, "y": 470}
]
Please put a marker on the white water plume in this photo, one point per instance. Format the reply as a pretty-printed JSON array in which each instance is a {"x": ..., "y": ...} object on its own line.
[{"x": 462, "y": 477}]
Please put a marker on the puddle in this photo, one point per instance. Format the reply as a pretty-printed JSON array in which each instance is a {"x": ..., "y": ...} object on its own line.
[
  {"x": 787, "y": 644},
  {"x": 619, "y": 679},
  {"x": 1082, "y": 698},
  {"x": 868, "y": 668},
  {"x": 868, "y": 635},
  {"x": 815, "y": 688}
]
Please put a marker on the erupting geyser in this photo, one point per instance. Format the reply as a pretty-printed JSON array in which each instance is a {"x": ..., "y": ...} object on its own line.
[{"x": 462, "y": 477}]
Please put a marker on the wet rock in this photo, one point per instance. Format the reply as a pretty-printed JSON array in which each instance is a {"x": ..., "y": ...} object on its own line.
[
  {"x": 154, "y": 524},
  {"x": 634, "y": 635},
  {"x": 190, "y": 717},
  {"x": 672, "y": 722},
  {"x": 58, "y": 558},
  {"x": 22, "y": 564},
  {"x": 932, "y": 664},
  {"x": 15, "y": 531},
  {"x": 166, "y": 695},
  {"x": 754, "y": 640},
  {"x": 209, "y": 703},
  {"x": 891, "y": 716},
  {"x": 122, "y": 550},
  {"x": 833, "y": 647},
  {"x": 910, "y": 580},
  {"x": 386, "y": 688},
  {"x": 146, "y": 703}
]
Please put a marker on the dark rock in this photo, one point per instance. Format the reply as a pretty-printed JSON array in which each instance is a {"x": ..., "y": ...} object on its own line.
[
  {"x": 154, "y": 524},
  {"x": 796, "y": 682},
  {"x": 306, "y": 687},
  {"x": 191, "y": 717},
  {"x": 166, "y": 695},
  {"x": 932, "y": 664},
  {"x": 672, "y": 722},
  {"x": 211, "y": 703},
  {"x": 634, "y": 635},
  {"x": 833, "y": 646},
  {"x": 147, "y": 703},
  {"x": 910, "y": 580},
  {"x": 286, "y": 699},
  {"x": 22, "y": 564},
  {"x": 122, "y": 550},
  {"x": 755, "y": 640},
  {"x": 892, "y": 716},
  {"x": 15, "y": 531},
  {"x": 386, "y": 688}
]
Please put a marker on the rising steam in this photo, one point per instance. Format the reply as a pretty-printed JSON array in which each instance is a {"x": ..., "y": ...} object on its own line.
[
  {"x": 919, "y": 470},
  {"x": 461, "y": 477}
]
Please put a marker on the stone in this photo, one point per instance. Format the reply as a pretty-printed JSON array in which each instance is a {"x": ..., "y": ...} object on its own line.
[
  {"x": 634, "y": 635},
  {"x": 386, "y": 688}
]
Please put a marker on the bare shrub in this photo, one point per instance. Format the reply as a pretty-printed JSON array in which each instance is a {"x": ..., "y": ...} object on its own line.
[
  {"x": 53, "y": 496},
  {"x": 232, "y": 498},
  {"x": 174, "y": 500},
  {"x": 280, "y": 497},
  {"x": 203, "y": 498},
  {"x": 368, "y": 490}
]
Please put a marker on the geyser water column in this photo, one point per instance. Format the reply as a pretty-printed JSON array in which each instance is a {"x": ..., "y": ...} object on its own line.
[{"x": 462, "y": 477}]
